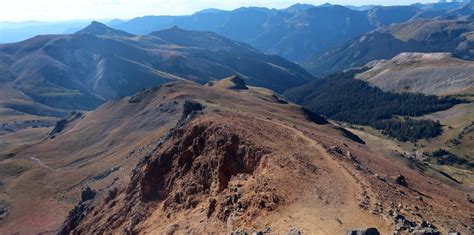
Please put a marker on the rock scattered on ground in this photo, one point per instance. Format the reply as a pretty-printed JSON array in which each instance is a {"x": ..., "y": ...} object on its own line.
[
  {"x": 293, "y": 231},
  {"x": 364, "y": 231}
]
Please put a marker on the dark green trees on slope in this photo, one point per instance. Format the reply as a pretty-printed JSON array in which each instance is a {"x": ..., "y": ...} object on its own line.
[{"x": 341, "y": 98}]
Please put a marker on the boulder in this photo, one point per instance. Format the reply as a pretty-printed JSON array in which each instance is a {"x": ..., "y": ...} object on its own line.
[
  {"x": 365, "y": 231},
  {"x": 426, "y": 231},
  {"x": 3, "y": 210},
  {"x": 239, "y": 232},
  {"x": 401, "y": 180},
  {"x": 87, "y": 194},
  {"x": 190, "y": 108}
]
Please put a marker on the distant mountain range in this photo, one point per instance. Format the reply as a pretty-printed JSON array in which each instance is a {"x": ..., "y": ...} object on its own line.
[
  {"x": 299, "y": 31},
  {"x": 295, "y": 33},
  {"x": 440, "y": 35},
  {"x": 83, "y": 70},
  {"x": 198, "y": 124}
]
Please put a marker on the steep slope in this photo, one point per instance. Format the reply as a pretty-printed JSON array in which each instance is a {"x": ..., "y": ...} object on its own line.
[
  {"x": 430, "y": 74},
  {"x": 451, "y": 10},
  {"x": 296, "y": 37},
  {"x": 215, "y": 172},
  {"x": 464, "y": 11},
  {"x": 439, "y": 6},
  {"x": 380, "y": 16},
  {"x": 294, "y": 33},
  {"x": 342, "y": 98},
  {"x": 82, "y": 70},
  {"x": 454, "y": 36},
  {"x": 227, "y": 57}
]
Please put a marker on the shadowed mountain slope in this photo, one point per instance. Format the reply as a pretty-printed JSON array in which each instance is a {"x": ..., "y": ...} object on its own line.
[
  {"x": 82, "y": 70},
  {"x": 380, "y": 16},
  {"x": 295, "y": 33},
  {"x": 453, "y": 36}
]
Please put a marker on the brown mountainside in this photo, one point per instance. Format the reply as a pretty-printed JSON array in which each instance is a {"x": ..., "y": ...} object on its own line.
[
  {"x": 426, "y": 73},
  {"x": 190, "y": 158},
  {"x": 98, "y": 63}
]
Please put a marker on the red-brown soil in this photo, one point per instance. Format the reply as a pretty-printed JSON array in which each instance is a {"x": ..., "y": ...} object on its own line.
[{"x": 246, "y": 162}]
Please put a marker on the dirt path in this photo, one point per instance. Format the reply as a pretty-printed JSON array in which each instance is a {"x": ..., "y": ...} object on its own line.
[
  {"x": 339, "y": 209},
  {"x": 39, "y": 162}
]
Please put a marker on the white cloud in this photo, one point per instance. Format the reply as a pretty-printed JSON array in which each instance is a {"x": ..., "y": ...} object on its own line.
[{"x": 49, "y": 10}]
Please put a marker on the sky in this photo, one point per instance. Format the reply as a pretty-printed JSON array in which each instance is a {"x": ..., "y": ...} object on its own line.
[{"x": 56, "y": 10}]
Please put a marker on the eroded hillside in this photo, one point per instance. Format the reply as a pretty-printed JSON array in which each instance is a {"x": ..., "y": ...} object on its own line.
[
  {"x": 425, "y": 73},
  {"x": 243, "y": 160}
]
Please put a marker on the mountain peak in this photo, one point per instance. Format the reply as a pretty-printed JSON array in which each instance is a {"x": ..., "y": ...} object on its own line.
[
  {"x": 299, "y": 7},
  {"x": 234, "y": 82},
  {"x": 99, "y": 29},
  {"x": 209, "y": 11},
  {"x": 327, "y": 4},
  {"x": 173, "y": 32}
]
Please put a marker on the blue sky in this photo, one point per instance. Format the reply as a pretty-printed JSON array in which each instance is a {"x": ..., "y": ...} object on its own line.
[{"x": 53, "y": 10}]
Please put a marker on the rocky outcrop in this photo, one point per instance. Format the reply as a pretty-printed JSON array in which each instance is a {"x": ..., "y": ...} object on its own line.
[
  {"x": 234, "y": 82},
  {"x": 190, "y": 110},
  {"x": 61, "y": 124},
  {"x": 207, "y": 156},
  {"x": 403, "y": 224},
  {"x": 238, "y": 83},
  {"x": 87, "y": 194},
  {"x": 79, "y": 212},
  {"x": 426, "y": 231},
  {"x": 3, "y": 209},
  {"x": 193, "y": 167}
]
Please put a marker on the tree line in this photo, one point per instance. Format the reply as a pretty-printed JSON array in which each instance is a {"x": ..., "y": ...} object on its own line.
[{"x": 342, "y": 98}]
